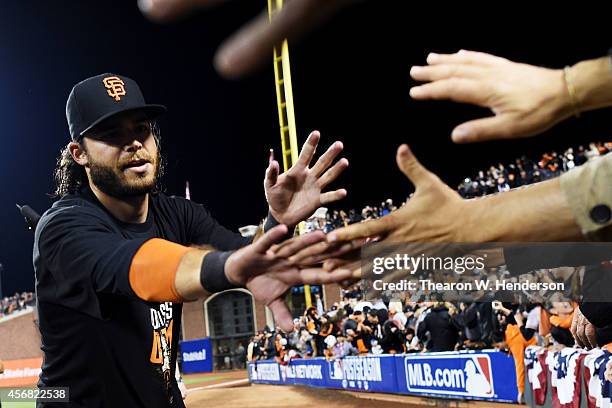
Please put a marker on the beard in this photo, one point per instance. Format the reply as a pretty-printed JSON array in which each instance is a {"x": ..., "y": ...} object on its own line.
[{"x": 114, "y": 181}]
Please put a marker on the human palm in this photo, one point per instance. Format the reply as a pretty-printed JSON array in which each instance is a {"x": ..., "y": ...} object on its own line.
[{"x": 296, "y": 194}]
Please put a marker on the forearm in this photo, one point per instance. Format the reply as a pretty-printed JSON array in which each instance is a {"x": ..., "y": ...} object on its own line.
[
  {"x": 582, "y": 87},
  {"x": 202, "y": 272},
  {"x": 536, "y": 213},
  {"x": 187, "y": 278},
  {"x": 574, "y": 206},
  {"x": 163, "y": 271},
  {"x": 592, "y": 80}
]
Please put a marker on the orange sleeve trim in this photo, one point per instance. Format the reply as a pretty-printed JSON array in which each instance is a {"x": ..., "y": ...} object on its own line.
[{"x": 153, "y": 270}]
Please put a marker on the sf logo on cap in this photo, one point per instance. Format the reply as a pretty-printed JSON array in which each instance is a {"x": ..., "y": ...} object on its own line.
[{"x": 115, "y": 87}]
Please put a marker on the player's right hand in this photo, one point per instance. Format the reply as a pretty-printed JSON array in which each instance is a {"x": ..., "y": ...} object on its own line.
[{"x": 268, "y": 274}]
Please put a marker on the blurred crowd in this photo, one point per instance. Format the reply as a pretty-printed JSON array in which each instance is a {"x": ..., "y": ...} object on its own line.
[
  {"x": 15, "y": 303},
  {"x": 526, "y": 171},
  {"x": 357, "y": 327},
  {"x": 328, "y": 221}
]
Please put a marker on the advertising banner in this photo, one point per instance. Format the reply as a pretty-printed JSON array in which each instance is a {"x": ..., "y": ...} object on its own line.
[
  {"x": 368, "y": 373},
  {"x": 476, "y": 375},
  {"x": 485, "y": 375},
  {"x": 197, "y": 356},
  {"x": 20, "y": 373}
]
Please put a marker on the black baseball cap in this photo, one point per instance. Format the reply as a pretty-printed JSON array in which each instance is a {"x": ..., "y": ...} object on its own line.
[{"x": 98, "y": 98}]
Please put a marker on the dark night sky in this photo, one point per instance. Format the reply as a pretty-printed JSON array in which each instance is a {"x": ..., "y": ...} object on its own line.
[{"x": 350, "y": 81}]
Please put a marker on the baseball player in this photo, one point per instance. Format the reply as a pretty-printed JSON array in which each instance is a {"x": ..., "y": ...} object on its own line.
[{"x": 115, "y": 258}]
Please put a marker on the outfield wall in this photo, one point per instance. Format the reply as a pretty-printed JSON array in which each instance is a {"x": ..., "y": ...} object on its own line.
[{"x": 479, "y": 375}]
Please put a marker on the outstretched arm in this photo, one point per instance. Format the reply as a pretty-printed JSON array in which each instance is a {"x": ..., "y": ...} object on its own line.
[
  {"x": 436, "y": 213},
  {"x": 79, "y": 253},
  {"x": 266, "y": 273}
]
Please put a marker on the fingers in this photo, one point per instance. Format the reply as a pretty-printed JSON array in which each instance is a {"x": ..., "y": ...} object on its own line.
[
  {"x": 271, "y": 174},
  {"x": 248, "y": 48},
  {"x": 350, "y": 250},
  {"x": 323, "y": 250},
  {"x": 282, "y": 315},
  {"x": 589, "y": 334},
  {"x": 252, "y": 45},
  {"x": 333, "y": 263},
  {"x": 583, "y": 331},
  {"x": 313, "y": 252},
  {"x": 464, "y": 57},
  {"x": 296, "y": 244},
  {"x": 270, "y": 238},
  {"x": 352, "y": 264},
  {"x": 412, "y": 168},
  {"x": 480, "y": 130},
  {"x": 316, "y": 276},
  {"x": 333, "y": 173},
  {"x": 581, "y": 340},
  {"x": 580, "y": 337},
  {"x": 381, "y": 226},
  {"x": 309, "y": 149},
  {"x": 455, "y": 89},
  {"x": 574, "y": 326},
  {"x": 445, "y": 71},
  {"x": 327, "y": 158},
  {"x": 332, "y": 196},
  {"x": 166, "y": 10}
]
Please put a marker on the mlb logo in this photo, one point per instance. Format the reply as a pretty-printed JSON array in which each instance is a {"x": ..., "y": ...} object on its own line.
[
  {"x": 335, "y": 370},
  {"x": 457, "y": 375},
  {"x": 479, "y": 380}
]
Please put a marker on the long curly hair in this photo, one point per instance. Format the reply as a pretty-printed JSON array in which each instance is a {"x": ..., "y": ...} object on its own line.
[{"x": 70, "y": 177}]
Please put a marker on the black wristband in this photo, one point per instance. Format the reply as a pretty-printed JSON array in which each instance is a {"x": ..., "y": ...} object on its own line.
[
  {"x": 212, "y": 272},
  {"x": 270, "y": 223}
]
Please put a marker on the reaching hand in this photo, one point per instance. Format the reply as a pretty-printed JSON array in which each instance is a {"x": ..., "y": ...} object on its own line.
[
  {"x": 252, "y": 44},
  {"x": 525, "y": 99},
  {"x": 296, "y": 194},
  {"x": 268, "y": 274},
  {"x": 435, "y": 213}
]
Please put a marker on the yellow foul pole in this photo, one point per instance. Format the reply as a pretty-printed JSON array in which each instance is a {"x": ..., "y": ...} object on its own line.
[{"x": 286, "y": 113}]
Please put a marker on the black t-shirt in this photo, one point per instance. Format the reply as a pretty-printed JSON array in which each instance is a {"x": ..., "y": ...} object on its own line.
[{"x": 109, "y": 347}]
